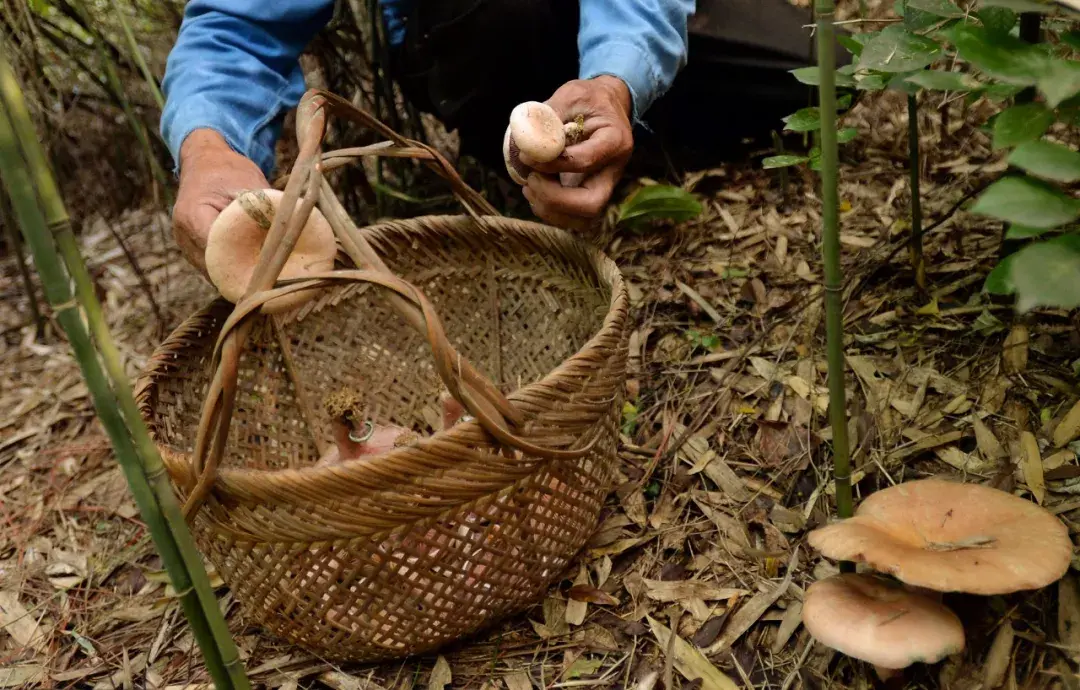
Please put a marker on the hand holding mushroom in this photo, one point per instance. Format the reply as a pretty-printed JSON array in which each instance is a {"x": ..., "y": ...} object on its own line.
[{"x": 602, "y": 107}]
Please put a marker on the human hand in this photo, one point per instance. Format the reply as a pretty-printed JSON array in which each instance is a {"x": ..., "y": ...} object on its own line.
[
  {"x": 211, "y": 175},
  {"x": 601, "y": 155}
]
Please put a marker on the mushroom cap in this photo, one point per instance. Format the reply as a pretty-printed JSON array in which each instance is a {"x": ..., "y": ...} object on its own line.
[
  {"x": 518, "y": 171},
  {"x": 236, "y": 238},
  {"x": 868, "y": 618},
  {"x": 538, "y": 131},
  {"x": 952, "y": 537}
]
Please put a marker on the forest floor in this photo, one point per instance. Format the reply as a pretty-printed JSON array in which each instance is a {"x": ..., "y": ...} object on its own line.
[{"x": 707, "y": 537}]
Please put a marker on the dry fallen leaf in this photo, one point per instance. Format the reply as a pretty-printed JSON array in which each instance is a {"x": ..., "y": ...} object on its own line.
[
  {"x": 440, "y": 675},
  {"x": 997, "y": 660},
  {"x": 751, "y": 611},
  {"x": 518, "y": 681},
  {"x": 24, "y": 676},
  {"x": 1032, "y": 465},
  {"x": 592, "y": 595},
  {"x": 1069, "y": 428},
  {"x": 659, "y": 590},
  {"x": 21, "y": 624},
  {"x": 1015, "y": 353},
  {"x": 989, "y": 446},
  {"x": 691, "y": 663},
  {"x": 1068, "y": 623},
  {"x": 577, "y": 608}
]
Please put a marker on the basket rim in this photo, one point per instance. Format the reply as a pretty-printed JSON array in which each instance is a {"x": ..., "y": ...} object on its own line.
[{"x": 241, "y": 480}]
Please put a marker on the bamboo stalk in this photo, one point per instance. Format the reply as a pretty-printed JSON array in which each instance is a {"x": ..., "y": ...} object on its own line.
[
  {"x": 831, "y": 254},
  {"x": 25, "y": 172},
  {"x": 918, "y": 263},
  {"x": 137, "y": 56}
]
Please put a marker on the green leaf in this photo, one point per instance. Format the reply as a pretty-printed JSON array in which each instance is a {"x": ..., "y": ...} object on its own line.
[
  {"x": 805, "y": 120},
  {"x": 1048, "y": 160},
  {"x": 854, "y": 47},
  {"x": 1021, "y": 123},
  {"x": 940, "y": 80},
  {"x": 1027, "y": 201},
  {"x": 847, "y": 134},
  {"x": 1047, "y": 274},
  {"x": 1020, "y": 5},
  {"x": 871, "y": 82},
  {"x": 901, "y": 84},
  {"x": 1071, "y": 39},
  {"x": 1002, "y": 57},
  {"x": 896, "y": 49},
  {"x": 998, "y": 93},
  {"x": 812, "y": 76},
  {"x": 997, "y": 20},
  {"x": 1023, "y": 232},
  {"x": 940, "y": 8},
  {"x": 660, "y": 202},
  {"x": 999, "y": 282},
  {"x": 785, "y": 161},
  {"x": 815, "y": 158},
  {"x": 1059, "y": 81}
]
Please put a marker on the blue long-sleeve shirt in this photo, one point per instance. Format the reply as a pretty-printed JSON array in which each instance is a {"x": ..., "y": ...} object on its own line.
[{"x": 235, "y": 65}]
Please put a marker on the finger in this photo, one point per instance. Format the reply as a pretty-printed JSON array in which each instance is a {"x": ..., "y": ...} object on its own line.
[
  {"x": 553, "y": 217},
  {"x": 599, "y": 150},
  {"x": 587, "y": 200}
]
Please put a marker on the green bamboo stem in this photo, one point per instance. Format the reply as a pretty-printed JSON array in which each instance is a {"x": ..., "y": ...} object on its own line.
[
  {"x": 137, "y": 56},
  {"x": 144, "y": 469},
  {"x": 830, "y": 230},
  {"x": 918, "y": 263}
]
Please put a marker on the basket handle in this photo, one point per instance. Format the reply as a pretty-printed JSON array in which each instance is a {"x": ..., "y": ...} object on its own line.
[{"x": 472, "y": 389}]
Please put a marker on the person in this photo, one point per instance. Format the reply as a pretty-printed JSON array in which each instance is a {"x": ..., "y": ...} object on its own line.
[{"x": 625, "y": 66}]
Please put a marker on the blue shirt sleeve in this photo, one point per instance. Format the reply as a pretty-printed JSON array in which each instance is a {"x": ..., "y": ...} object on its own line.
[
  {"x": 642, "y": 42},
  {"x": 235, "y": 69}
]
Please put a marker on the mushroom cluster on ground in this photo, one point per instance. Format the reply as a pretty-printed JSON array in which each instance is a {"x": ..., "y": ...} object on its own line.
[{"x": 933, "y": 536}]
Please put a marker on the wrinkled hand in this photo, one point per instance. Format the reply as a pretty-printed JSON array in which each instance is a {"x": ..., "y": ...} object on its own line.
[
  {"x": 604, "y": 103},
  {"x": 211, "y": 175}
]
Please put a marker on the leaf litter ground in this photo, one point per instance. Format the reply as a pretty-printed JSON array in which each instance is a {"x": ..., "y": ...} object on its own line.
[{"x": 725, "y": 460}]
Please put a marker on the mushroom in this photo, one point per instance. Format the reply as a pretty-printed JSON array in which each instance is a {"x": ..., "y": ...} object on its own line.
[
  {"x": 952, "y": 537},
  {"x": 236, "y": 238},
  {"x": 538, "y": 133},
  {"x": 354, "y": 434},
  {"x": 872, "y": 619}
]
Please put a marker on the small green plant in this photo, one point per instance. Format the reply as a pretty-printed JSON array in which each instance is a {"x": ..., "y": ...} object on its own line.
[
  {"x": 978, "y": 50},
  {"x": 658, "y": 202},
  {"x": 705, "y": 341}
]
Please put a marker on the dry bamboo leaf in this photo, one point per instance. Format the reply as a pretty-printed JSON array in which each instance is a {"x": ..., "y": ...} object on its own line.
[
  {"x": 788, "y": 625},
  {"x": 717, "y": 470},
  {"x": 1032, "y": 465},
  {"x": 751, "y": 611},
  {"x": 997, "y": 659},
  {"x": 339, "y": 680},
  {"x": 592, "y": 595},
  {"x": 23, "y": 676},
  {"x": 22, "y": 625},
  {"x": 633, "y": 502},
  {"x": 1068, "y": 619},
  {"x": 518, "y": 681},
  {"x": 989, "y": 446},
  {"x": 677, "y": 590},
  {"x": 1058, "y": 459},
  {"x": 965, "y": 462},
  {"x": 440, "y": 675},
  {"x": 689, "y": 662},
  {"x": 1069, "y": 428},
  {"x": 1015, "y": 353},
  {"x": 577, "y": 608}
]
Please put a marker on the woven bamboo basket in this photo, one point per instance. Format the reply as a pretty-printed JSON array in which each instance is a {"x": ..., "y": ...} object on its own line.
[{"x": 398, "y": 553}]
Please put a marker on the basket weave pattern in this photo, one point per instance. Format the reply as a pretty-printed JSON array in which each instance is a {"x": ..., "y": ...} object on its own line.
[{"x": 402, "y": 552}]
